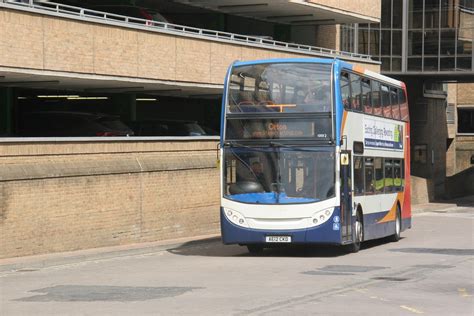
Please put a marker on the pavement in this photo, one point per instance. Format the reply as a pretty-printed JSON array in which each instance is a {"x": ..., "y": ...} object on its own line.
[
  {"x": 91, "y": 255},
  {"x": 429, "y": 271},
  {"x": 444, "y": 205}
]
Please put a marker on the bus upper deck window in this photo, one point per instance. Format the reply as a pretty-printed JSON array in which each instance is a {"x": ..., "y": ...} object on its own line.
[
  {"x": 366, "y": 96},
  {"x": 345, "y": 90},
  {"x": 355, "y": 92},
  {"x": 403, "y": 105},
  {"x": 394, "y": 103},
  {"x": 386, "y": 106},
  {"x": 376, "y": 98}
]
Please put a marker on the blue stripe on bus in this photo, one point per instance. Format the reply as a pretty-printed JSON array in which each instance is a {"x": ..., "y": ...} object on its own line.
[
  {"x": 224, "y": 99},
  {"x": 339, "y": 108},
  {"x": 233, "y": 234},
  {"x": 375, "y": 230},
  {"x": 269, "y": 198}
]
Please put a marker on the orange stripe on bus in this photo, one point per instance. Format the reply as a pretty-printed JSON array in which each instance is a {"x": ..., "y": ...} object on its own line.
[
  {"x": 392, "y": 214},
  {"x": 358, "y": 69},
  {"x": 343, "y": 125}
]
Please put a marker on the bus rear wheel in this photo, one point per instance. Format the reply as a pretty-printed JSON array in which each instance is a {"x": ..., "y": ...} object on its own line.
[
  {"x": 398, "y": 226},
  {"x": 255, "y": 249}
]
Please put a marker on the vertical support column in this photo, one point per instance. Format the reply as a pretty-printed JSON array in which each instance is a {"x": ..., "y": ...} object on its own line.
[
  {"x": 404, "y": 35},
  {"x": 125, "y": 105},
  {"x": 6, "y": 110},
  {"x": 356, "y": 39}
]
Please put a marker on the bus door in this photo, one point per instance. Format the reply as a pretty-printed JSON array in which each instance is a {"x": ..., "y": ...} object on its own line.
[{"x": 346, "y": 196}]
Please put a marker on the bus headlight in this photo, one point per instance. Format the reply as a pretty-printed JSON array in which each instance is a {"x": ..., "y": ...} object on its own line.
[
  {"x": 322, "y": 216},
  {"x": 235, "y": 217}
]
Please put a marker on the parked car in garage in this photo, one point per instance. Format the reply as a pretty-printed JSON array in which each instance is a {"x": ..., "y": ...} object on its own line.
[
  {"x": 133, "y": 11},
  {"x": 166, "y": 128},
  {"x": 71, "y": 124}
]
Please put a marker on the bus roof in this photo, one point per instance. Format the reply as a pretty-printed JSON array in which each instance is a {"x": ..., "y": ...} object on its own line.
[{"x": 285, "y": 60}]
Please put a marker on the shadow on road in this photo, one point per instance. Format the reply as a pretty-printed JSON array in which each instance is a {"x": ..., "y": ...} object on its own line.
[{"x": 213, "y": 247}]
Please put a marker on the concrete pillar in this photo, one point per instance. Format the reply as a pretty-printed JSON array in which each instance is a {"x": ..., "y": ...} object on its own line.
[
  {"x": 428, "y": 140},
  {"x": 125, "y": 105},
  {"x": 6, "y": 111}
]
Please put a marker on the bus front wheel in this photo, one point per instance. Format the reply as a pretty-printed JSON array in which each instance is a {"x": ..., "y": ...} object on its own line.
[
  {"x": 255, "y": 249},
  {"x": 358, "y": 233}
]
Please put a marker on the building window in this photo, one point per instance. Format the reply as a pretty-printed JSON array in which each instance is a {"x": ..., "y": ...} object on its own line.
[
  {"x": 420, "y": 153},
  {"x": 466, "y": 120}
]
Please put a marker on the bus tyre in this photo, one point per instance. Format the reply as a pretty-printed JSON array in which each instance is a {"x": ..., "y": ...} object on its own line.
[
  {"x": 255, "y": 249},
  {"x": 398, "y": 226},
  {"x": 358, "y": 233}
]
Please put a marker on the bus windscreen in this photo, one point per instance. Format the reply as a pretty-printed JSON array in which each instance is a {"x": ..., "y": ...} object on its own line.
[
  {"x": 279, "y": 175},
  {"x": 280, "y": 88}
]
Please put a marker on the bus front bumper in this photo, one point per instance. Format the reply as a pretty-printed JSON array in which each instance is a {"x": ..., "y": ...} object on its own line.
[{"x": 326, "y": 233}]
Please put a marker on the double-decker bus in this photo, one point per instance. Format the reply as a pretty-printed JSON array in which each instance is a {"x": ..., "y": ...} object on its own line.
[{"x": 313, "y": 151}]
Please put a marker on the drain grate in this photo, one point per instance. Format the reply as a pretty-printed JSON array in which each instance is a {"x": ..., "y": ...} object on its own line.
[
  {"x": 433, "y": 266},
  {"x": 350, "y": 269},
  {"x": 393, "y": 279},
  {"x": 26, "y": 270}
]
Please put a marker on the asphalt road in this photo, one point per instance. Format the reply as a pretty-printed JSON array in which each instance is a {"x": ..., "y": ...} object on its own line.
[{"x": 429, "y": 271}]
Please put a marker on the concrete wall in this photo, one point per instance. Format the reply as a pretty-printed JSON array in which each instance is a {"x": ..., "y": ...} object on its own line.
[
  {"x": 462, "y": 146},
  {"x": 461, "y": 184},
  {"x": 67, "y": 196},
  {"x": 55, "y": 44},
  {"x": 427, "y": 111},
  {"x": 370, "y": 8}
]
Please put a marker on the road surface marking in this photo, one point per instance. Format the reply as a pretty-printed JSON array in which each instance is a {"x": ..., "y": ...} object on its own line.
[
  {"x": 464, "y": 293},
  {"x": 411, "y": 309}
]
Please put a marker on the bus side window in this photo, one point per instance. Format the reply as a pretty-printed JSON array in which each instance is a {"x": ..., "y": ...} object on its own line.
[
  {"x": 397, "y": 175},
  {"x": 403, "y": 105},
  {"x": 345, "y": 90},
  {"x": 379, "y": 183},
  {"x": 358, "y": 176},
  {"x": 369, "y": 175},
  {"x": 356, "y": 91},
  {"x": 394, "y": 102},
  {"x": 366, "y": 96},
  {"x": 388, "y": 175},
  {"x": 376, "y": 98},
  {"x": 386, "y": 107}
]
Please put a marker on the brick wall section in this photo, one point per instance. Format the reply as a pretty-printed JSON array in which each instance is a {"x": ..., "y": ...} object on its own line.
[
  {"x": 54, "y": 198},
  {"x": 465, "y": 95},
  {"x": 56, "y": 44},
  {"x": 464, "y": 143},
  {"x": 327, "y": 36}
]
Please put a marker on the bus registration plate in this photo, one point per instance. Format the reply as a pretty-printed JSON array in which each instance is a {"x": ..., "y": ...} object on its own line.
[{"x": 278, "y": 238}]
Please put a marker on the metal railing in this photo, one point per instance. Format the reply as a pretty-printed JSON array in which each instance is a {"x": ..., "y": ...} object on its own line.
[{"x": 182, "y": 30}]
